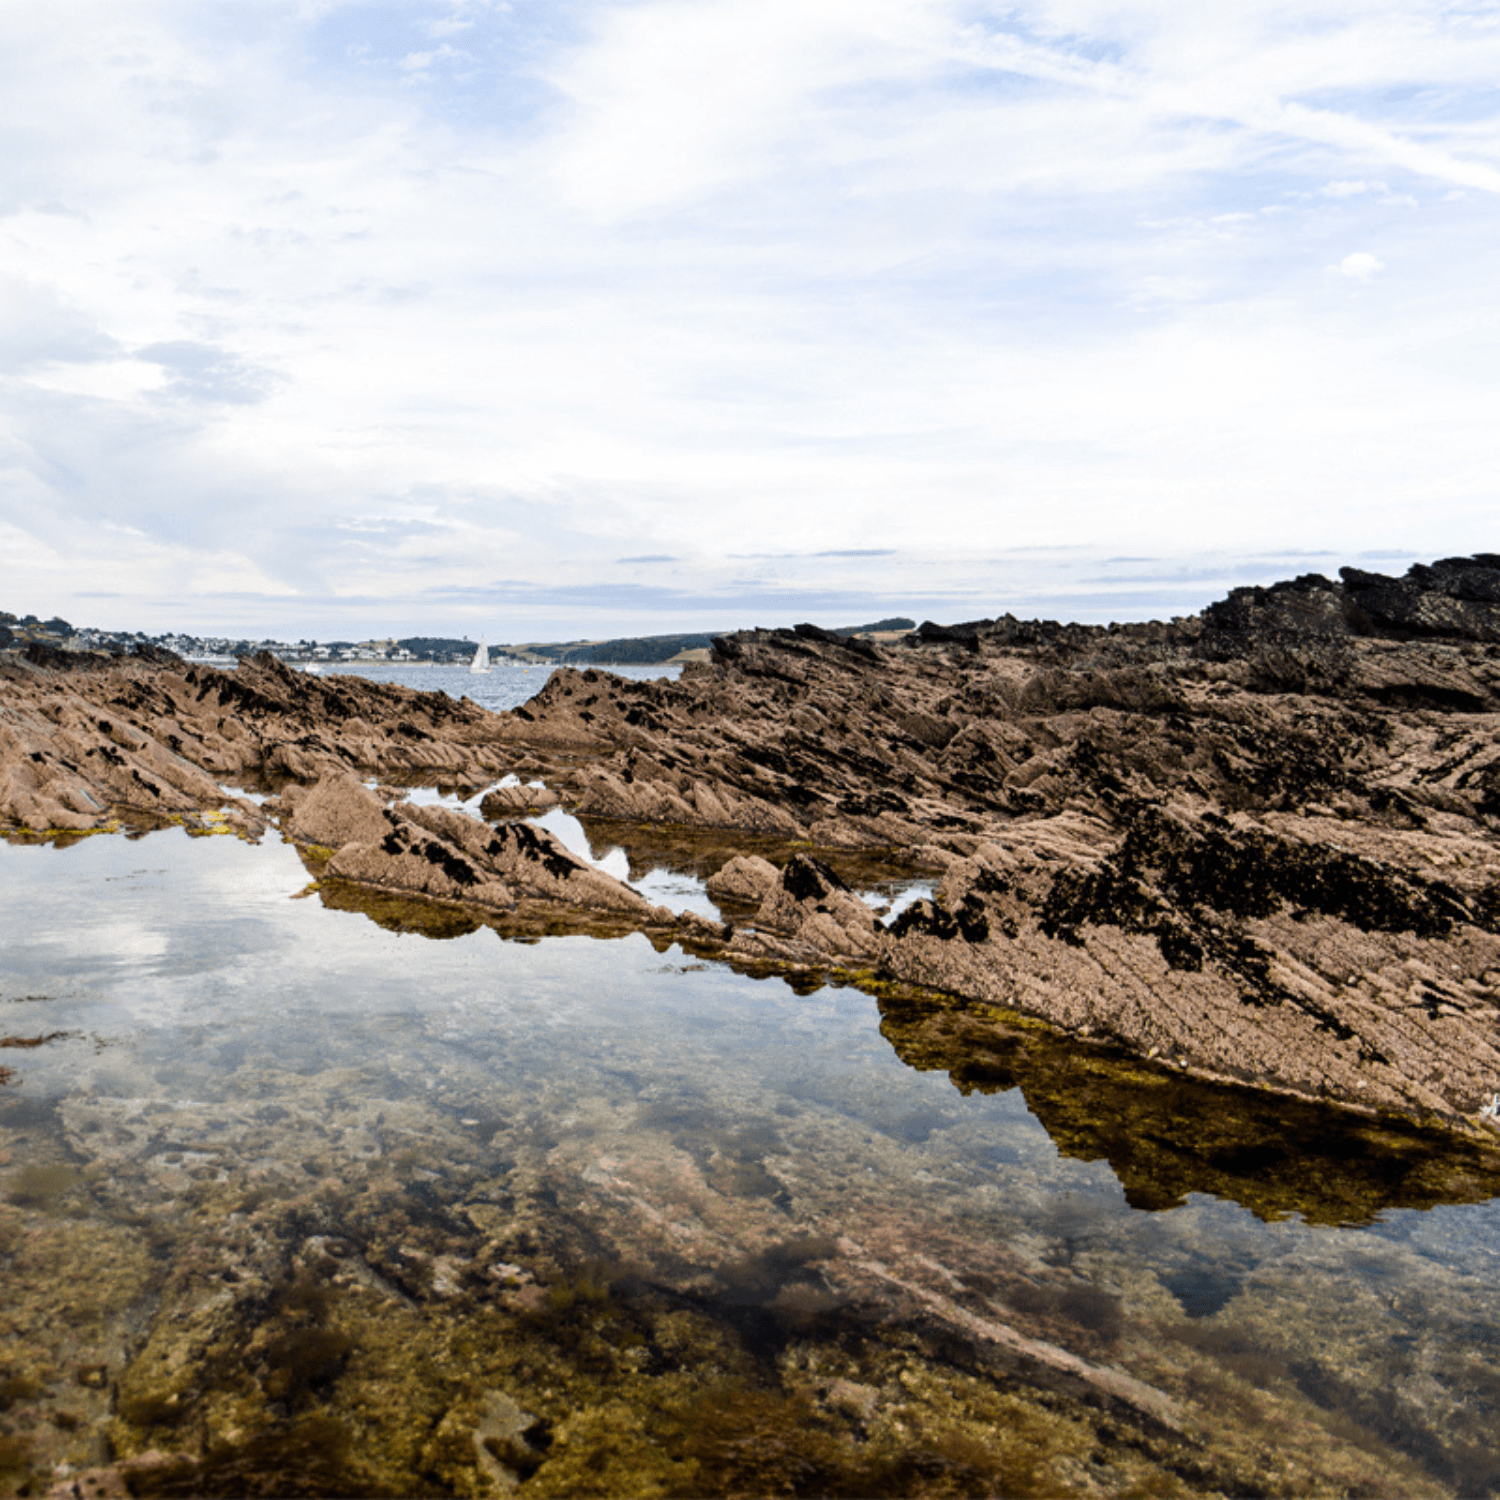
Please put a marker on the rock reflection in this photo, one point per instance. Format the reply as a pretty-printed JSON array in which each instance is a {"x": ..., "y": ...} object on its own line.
[
  {"x": 1166, "y": 1135},
  {"x": 341, "y": 1213},
  {"x": 703, "y": 851}
]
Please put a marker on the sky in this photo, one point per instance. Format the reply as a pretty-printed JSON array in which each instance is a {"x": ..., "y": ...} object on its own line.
[{"x": 334, "y": 318}]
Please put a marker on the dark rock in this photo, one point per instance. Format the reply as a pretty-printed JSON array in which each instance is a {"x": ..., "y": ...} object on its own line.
[
  {"x": 1263, "y": 845},
  {"x": 1456, "y": 598},
  {"x": 1245, "y": 843}
]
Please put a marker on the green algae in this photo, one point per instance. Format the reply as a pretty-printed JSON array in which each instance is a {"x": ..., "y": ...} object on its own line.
[
  {"x": 14, "y": 1388},
  {"x": 746, "y": 1378},
  {"x": 73, "y": 1287},
  {"x": 623, "y": 1384},
  {"x": 1166, "y": 1134},
  {"x": 16, "y": 1456},
  {"x": 42, "y": 1186},
  {"x": 58, "y": 838},
  {"x": 311, "y": 1457},
  {"x": 395, "y": 913},
  {"x": 133, "y": 823},
  {"x": 448, "y": 1271},
  {"x": 428, "y": 917}
]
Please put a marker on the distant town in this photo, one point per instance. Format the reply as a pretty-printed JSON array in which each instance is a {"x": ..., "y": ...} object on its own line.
[{"x": 19, "y": 632}]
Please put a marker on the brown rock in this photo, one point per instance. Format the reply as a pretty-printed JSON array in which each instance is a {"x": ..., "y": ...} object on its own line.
[
  {"x": 811, "y": 904},
  {"x": 1263, "y": 844},
  {"x": 503, "y": 802},
  {"x": 746, "y": 878},
  {"x": 339, "y": 810},
  {"x": 538, "y": 864},
  {"x": 410, "y": 859},
  {"x": 529, "y": 859},
  {"x": 1260, "y": 845},
  {"x": 85, "y": 739}
]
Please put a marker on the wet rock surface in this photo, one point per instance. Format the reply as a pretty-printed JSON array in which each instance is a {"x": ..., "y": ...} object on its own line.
[
  {"x": 1259, "y": 845},
  {"x": 86, "y": 739}
]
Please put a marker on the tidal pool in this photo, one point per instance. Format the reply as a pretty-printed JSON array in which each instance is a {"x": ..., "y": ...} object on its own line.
[{"x": 294, "y": 1201}]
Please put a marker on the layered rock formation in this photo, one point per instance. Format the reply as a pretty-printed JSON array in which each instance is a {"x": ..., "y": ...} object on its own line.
[
  {"x": 1259, "y": 845},
  {"x": 447, "y": 856},
  {"x": 87, "y": 738}
]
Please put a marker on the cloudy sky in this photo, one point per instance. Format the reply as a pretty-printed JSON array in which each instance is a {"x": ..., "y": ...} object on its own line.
[{"x": 330, "y": 317}]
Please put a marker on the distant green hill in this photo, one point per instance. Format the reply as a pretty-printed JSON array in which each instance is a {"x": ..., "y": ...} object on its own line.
[
  {"x": 437, "y": 645},
  {"x": 896, "y": 622},
  {"x": 623, "y": 651},
  {"x": 642, "y": 650}
]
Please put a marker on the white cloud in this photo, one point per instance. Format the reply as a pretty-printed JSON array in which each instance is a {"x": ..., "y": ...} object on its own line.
[
  {"x": 1361, "y": 266},
  {"x": 921, "y": 277},
  {"x": 39, "y": 327},
  {"x": 415, "y": 62}
]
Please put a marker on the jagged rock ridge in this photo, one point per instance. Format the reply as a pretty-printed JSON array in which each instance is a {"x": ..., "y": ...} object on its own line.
[{"x": 1258, "y": 845}]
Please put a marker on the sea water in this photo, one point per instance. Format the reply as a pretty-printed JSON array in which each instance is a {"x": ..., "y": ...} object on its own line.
[
  {"x": 506, "y": 685},
  {"x": 301, "y": 1199}
]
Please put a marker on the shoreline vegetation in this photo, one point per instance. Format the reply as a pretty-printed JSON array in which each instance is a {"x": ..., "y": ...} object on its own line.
[
  {"x": 28, "y": 633},
  {"x": 1254, "y": 847}
]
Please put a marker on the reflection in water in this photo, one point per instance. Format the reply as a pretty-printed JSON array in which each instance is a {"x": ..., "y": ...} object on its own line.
[
  {"x": 298, "y": 1202},
  {"x": 1166, "y": 1135},
  {"x": 651, "y": 847},
  {"x": 677, "y": 889}
]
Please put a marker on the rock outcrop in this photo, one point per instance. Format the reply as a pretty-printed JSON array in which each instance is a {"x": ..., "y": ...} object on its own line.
[
  {"x": 1260, "y": 845},
  {"x": 746, "y": 879},
  {"x": 447, "y": 856},
  {"x": 86, "y": 738}
]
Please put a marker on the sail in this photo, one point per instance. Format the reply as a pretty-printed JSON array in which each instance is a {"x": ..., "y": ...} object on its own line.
[{"x": 481, "y": 662}]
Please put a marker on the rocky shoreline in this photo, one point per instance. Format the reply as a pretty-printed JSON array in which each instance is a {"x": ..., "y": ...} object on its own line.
[{"x": 1259, "y": 845}]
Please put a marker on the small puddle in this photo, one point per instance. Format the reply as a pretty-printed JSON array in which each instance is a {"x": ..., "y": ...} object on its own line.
[
  {"x": 889, "y": 901},
  {"x": 677, "y": 890}
]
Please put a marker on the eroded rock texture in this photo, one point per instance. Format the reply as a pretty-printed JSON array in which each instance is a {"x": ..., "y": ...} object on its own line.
[
  {"x": 86, "y": 738},
  {"x": 1260, "y": 845},
  {"x": 152, "y": 737}
]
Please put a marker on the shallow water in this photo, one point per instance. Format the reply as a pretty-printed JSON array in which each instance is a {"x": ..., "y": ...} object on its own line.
[
  {"x": 505, "y": 685},
  {"x": 273, "y": 1166},
  {"x": 316, "y": 1200}
]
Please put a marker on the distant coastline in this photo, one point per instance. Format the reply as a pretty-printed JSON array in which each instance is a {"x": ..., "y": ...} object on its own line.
[{"x": 19, "y": 632}]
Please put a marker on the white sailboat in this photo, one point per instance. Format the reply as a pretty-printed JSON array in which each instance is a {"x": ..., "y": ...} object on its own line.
[{"x": 481, "y": 662}]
